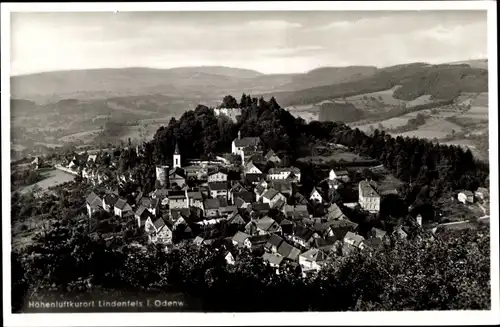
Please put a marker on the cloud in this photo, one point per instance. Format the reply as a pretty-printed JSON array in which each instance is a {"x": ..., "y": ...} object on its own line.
[{"x": 271, "y": 24}]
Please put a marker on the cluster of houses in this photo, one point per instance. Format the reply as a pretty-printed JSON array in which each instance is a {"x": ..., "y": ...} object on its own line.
[{"x": 261, "y": 210}]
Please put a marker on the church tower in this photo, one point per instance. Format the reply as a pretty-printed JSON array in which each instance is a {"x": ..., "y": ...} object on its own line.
[{"x": 177, "y": 157}]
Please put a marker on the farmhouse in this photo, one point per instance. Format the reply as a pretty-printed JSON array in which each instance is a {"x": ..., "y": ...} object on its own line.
[
  {"x": 369, "y": 199},
  {"x": 284, "y": 187}
]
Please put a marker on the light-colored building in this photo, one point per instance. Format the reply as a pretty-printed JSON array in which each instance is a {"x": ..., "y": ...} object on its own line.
[
  {"x": 283, "y": 173},
  {"x": 341, "y": 175},
  {"x": 121, "y": 207},
  {"x": 272, "y": 196},
  {"x": 231, "y": 113},
  {"x": 217, "y": 177},
  {"x": 369, "y": 199},
  {"x": 251, "y": 168},
  {"x": 312, "y": 259},
  {"x": 466, "y": 197},
  {"x": 241, "y": 143},
  {"x": 316, "y": 196},
  {"x": 177, "y": 157}
]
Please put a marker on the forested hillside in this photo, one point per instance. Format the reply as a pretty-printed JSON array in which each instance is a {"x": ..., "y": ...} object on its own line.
[
  {"x": 440, "y": 167},
  {"x": 442, "y": 82}
]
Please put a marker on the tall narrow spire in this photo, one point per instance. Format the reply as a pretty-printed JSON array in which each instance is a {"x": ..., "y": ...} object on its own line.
[
  {"x": 239, "y": 135},
  {"x": 176, "y": 148}
]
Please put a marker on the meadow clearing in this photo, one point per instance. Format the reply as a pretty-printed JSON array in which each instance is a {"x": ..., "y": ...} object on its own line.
[{"x": 52, "y": 177}]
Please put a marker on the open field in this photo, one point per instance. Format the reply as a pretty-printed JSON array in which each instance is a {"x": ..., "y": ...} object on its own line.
[
  {"x": 306, "y": 112},
  {"x": 434, "y": 128},
  {"x": 347, "y": 157},
  {"x": 52, "y": 178},
  {"x": 86, "y": 137}
]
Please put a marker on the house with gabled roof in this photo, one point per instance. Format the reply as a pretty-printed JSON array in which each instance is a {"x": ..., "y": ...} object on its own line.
[
  {"x": 151, "y": 204},
  {"x": 218, "y": 189},
  {"x": 121, "y": 207},
  {"x": 195, "y": 199},
  {"x": 339, "y": 174},
  {"x": 303, "y": 236},
  {"x": 369, "y": 199},
  {"x": 272, "y": 259},
  {"x": 259, "y": 191},
  {"x": 177, "y": 176},
  {"x": 241, "y": 143},
  {"x": 312, "y": 259},
  {"x": 316, "y": 195},
  {"x": 236, "y": 187},
  {"x": 267, "y": 225},
  {"x": 237, "y": 219},
  {"x": 258, "y": 241},
  {"x": 282, "y": 173},
  {"x": 260, "y": 208},
  {"x": 212, "y": 207},
  {"x": 335, "y": 213},
  {"x": 109, "y": 200},
  {"x": 141, "y": 215},
  {"x": 254, "y": 179},
  {"x": 271, "y": 196},
  {"x": 326, "y": 244},
  {"x": 94, "y": 203},
  {"x": 286, "y": 226},
  {"x": 273, "y": 243},
  {"x": 158, "y": 231},
  {"x": 288, "y": 251},
  {"x": 282, "y": 186},
  {"x": 252, "y": 168},
  {"x": 339, "y": 228},
  {"x": 378, "y": 233},
  {"x": 218, "y": 176},
  {"x": 271, "y": 156},
  {"x": 177, "y": 199},
  {"x": 354, "y": 240}
]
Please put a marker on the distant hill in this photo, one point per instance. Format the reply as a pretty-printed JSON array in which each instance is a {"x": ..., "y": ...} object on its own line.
[
  {"x": 218, "y": 70},
  {"x": 442, "y": 82},
  {"x": 474, "y": 63}
]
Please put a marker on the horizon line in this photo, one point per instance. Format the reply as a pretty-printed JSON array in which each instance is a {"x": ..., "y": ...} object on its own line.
[{"x": 240, "y": 68}]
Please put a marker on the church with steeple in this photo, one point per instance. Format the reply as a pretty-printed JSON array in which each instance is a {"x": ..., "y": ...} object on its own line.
[{"x": 177, "y": 157}]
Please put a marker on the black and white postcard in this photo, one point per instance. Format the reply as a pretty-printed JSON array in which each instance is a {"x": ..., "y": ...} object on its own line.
[{"x": 250, "y": 163}]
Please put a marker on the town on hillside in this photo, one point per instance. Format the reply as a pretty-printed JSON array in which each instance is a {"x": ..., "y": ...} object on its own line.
[{"x": 248, "y": 198}]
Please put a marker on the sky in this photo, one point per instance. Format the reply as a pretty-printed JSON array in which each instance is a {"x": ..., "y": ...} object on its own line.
[{"x": 269, "y": 42}]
